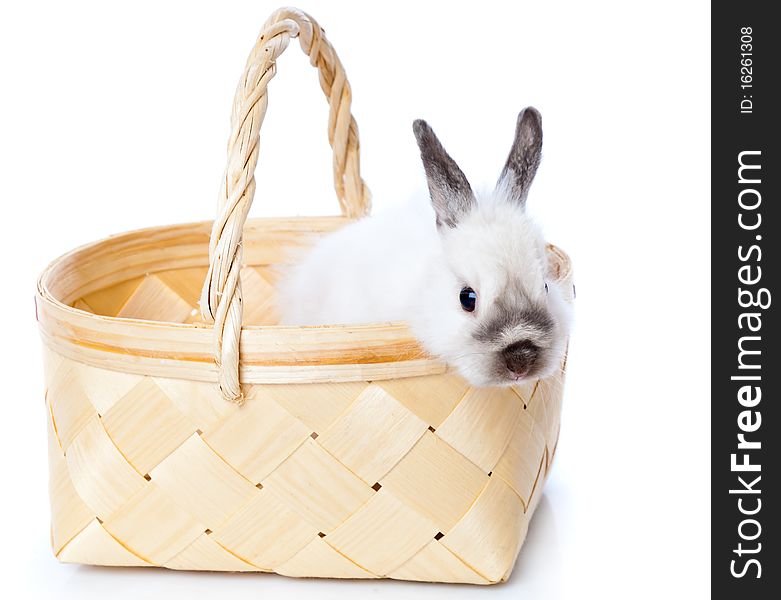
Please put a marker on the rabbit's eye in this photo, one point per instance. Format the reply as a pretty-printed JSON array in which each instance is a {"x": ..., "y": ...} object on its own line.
[
  {"x": 546, "y": 288},
  {"x": 468, "y": 299}
]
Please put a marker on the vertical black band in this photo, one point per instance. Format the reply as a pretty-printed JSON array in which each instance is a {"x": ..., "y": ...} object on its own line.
[{"x": 746, "y": 425}]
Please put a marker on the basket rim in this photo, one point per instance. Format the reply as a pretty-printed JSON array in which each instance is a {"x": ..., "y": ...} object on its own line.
[
  {"x": 269, "y": 353},
  {"x": 45, "y": 294}
]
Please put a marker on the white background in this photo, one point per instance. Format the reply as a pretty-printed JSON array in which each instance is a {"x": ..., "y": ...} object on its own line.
[{"x": 115, "y": 116}]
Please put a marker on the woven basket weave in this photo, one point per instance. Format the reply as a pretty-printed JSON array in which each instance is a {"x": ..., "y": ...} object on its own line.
[{"x": 337, "y": 451}]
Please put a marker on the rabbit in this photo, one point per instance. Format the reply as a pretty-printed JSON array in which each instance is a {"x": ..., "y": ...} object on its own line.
[{"x": 469, "y": 274}]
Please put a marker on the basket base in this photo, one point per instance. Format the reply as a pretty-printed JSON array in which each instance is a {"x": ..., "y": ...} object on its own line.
[{"x": 148, "y": 471}]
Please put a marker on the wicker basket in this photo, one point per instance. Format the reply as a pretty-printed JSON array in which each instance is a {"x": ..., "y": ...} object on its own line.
[{"x": 345, "y": 452}]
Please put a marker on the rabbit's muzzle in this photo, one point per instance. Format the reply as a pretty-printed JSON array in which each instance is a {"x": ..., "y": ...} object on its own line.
[{"x": 521, "y": 357}]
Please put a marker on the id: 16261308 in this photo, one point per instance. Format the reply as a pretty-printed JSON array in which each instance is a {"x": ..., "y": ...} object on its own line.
[{"x": 746, "y": 69}]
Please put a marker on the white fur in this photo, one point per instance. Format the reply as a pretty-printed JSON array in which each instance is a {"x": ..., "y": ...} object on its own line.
[{"x": 398, "y": 266}]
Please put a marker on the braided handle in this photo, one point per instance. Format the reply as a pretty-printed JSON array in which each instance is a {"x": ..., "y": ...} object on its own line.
[{"x": 221, "y": 296}]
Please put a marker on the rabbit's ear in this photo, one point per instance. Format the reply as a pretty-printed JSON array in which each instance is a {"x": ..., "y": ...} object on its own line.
[
  {"x": 524, "y": 158},
  {"x": 451, "y": 193}
]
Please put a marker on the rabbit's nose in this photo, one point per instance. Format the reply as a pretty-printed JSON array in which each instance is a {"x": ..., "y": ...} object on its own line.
[{"x": 520, "y": 357}]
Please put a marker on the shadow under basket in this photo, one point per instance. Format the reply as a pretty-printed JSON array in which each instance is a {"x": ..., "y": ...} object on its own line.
[{"x": 346, "y": 452}]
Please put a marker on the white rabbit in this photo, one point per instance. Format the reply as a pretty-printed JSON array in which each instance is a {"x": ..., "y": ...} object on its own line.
[{"x": 470, "y": 277}]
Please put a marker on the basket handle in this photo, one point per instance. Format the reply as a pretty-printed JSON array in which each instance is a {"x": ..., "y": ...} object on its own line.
[{"x": 221, "y": 301}]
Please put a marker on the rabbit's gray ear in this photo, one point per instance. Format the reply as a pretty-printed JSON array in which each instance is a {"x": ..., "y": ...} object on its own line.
[
  {"x": 451, "y": 193},
  {"x": 524, "y": 158}
]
